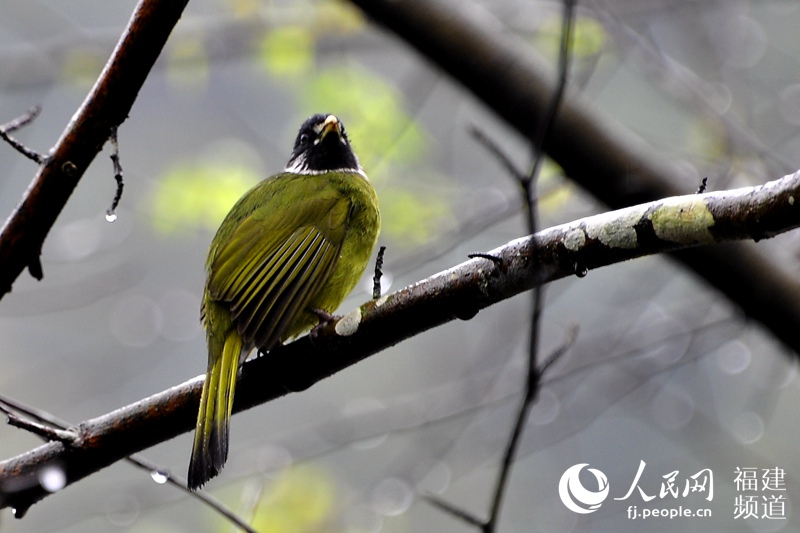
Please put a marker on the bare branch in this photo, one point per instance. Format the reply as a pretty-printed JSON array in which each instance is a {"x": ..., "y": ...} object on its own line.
[
  {"x": 376, "y": 279},
  {"x": 23, "y": 120},
  {"x": 457, "y": 512},
  {"x": 106, "y": 107},
  {"x": 604, "y": 158},
  {"x": 495, "y": 149},
  {"x": 160, "y": 475},
  {"x": 457, "y": 293},
  {"x": 41, "y": 430},
  {"x": 111, "y": 212},
  {"x": 528, "y": 185},
  {"x": 13, "y": 125}
]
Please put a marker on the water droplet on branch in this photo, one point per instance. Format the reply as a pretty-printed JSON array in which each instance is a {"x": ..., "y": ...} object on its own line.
[{"x": 159, "y": 476}]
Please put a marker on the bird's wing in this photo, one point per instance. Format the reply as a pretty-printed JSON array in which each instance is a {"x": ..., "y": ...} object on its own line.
[{"x": 274, "y": 263}]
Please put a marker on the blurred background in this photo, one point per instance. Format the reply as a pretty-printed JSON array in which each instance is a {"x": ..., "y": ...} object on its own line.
[{"x": 663, "y": 370}]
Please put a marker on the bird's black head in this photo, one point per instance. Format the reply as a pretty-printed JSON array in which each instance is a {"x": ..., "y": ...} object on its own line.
[{"x": 322, "y": 145}]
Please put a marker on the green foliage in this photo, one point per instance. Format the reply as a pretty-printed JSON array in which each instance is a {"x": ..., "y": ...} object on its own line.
[
  {"x": 198, "y": 195},
  {"x": 287, "y": 51},
  {"x": 411, "y": 219},
  {"x": 380, "y": 129},
  {"x": 302, "y": 499}
]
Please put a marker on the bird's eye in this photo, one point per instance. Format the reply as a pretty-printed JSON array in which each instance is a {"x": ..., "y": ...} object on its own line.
[{"x": 303, "y": 138}]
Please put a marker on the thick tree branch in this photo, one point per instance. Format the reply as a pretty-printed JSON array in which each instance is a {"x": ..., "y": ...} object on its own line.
[
  {"x": 458, "y": 293},
  {"x": 105, "y": 108},
  {"x": 604, "y": 158}
]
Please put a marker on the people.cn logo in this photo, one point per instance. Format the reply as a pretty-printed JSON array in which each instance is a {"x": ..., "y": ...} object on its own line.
[{"x": 575, "y": 496}]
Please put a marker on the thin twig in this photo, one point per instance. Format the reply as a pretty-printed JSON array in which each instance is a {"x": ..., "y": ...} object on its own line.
[
  {"x": 527, "y": 184},
  {"x": 376, "y": 280},
  {"x": 498, "y": 152},
  {"x": 41, "y": 430},
  {"x": 54, "y": 426},
  {"x": 451, "y": 509},
  {"x": 111, "y": 212},
  {"x": 497, "y": 261},
  {"x": 161, "y": 475},
  {"x": 22, "y": 120},
  {"x": 529, "y": 190},
  {"x": 572, "y": 335},
  {"x": 14, "y": 125}
]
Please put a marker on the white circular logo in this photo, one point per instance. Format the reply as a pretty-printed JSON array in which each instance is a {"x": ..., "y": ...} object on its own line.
[{"x": 574, "y": 494}]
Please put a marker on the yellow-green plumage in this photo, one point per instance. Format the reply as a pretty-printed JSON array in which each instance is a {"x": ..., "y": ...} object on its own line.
[{"x": 296, "y": 243}]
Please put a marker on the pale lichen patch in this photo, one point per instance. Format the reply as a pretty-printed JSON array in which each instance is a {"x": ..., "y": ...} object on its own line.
[
  {"x": 618, "y": 231},
  {"x": 683, "y": 222},
  {"x": 574, "y": 239},
  {"x": 348, "y": 324}
]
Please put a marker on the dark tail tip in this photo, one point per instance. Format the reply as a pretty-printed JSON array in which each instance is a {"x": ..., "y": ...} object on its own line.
[
  {"x": 199, "y": 473},
  {"x": 208, "y": 456}
]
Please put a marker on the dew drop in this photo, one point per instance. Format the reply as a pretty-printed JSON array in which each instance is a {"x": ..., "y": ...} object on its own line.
[
  {"x": 159, "y": 476},
  {"x": 111, "y": 216},
  {"x": 581, "y": 270}
]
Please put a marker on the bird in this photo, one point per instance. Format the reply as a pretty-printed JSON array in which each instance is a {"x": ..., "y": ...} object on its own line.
[{"x": 284, "y": 258}]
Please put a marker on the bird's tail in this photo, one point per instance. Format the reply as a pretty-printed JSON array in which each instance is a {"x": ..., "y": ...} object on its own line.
[{"x": 210, "y": 449}]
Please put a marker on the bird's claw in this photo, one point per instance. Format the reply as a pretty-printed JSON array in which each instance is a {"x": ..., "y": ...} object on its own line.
[{"x": 324, "y": 317}]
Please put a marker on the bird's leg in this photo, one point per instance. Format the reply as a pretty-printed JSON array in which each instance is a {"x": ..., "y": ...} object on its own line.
[{"x": 324, "y": 317}]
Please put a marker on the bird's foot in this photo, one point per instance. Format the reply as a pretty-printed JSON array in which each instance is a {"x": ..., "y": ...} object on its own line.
[{"x": 324, "y": 317}]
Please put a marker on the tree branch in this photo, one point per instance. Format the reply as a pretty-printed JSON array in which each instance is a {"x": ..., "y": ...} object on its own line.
[
  {"x": 457, "y": 293},
  {"x": 105, "y": 108},
  {"x": 614, "y": 165},
  {"x": 12, "y": 126}
]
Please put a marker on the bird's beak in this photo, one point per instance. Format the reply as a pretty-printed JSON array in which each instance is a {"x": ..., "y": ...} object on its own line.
[{"x": 331, "y": 124}]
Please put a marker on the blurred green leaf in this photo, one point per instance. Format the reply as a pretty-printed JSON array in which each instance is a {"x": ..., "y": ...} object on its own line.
[
  {"x": 412, "y": 218},
  {"x": 380, "y": 130},
  {"x": 194, "y": 196},
  {"x": 300, "y": 500},
  {"x": 287, "y": 51}
]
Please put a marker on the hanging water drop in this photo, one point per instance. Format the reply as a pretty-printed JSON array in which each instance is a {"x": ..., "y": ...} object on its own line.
[
  {"x": 111, "y": 216},
  {"x": 581, "y": 270},
  {"x": 159, "y": 476}
]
